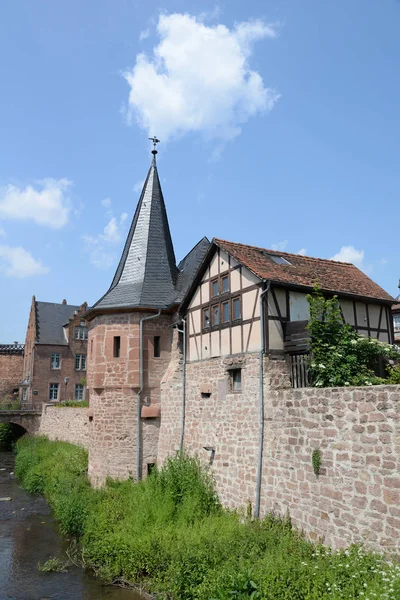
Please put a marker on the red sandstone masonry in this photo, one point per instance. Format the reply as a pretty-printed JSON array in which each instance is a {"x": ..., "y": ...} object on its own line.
[
  {"x": 10, "y": 375},
  {"x": 356, "y": 497},
  {"x": 67, "y": 424}
]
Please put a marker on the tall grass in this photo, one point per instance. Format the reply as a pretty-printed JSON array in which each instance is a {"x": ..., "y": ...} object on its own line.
[{"x": 170, "y": 534}]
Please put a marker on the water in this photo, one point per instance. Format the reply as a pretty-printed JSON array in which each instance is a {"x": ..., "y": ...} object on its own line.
[{"x": 28, "y": 535}]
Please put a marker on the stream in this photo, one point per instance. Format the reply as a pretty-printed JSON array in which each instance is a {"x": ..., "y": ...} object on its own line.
[{"x": 29, "y": 535}]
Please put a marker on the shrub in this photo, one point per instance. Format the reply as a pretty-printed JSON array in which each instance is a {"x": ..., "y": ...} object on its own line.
[{"x": 341, "y": 357}]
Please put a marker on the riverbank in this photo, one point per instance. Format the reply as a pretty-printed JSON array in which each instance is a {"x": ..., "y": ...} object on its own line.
[
  {"x": 29, "y": 534},
  {"x": 170, "y": 534}
]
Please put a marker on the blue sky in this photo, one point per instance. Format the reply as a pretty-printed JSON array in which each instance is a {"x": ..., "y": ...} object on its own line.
[{"x": 279, "y": 126}]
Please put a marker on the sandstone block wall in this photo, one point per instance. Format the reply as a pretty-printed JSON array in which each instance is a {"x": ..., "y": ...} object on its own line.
[
  {"x": 10, "y": 375},
  {"x": 355, "y": 498},
  {"x": 66, "y": 424}
]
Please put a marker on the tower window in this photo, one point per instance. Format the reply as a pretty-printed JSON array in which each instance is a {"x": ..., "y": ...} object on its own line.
[
  {"x": 117, "y": 346},
  {"x": 157, "y": 346}
]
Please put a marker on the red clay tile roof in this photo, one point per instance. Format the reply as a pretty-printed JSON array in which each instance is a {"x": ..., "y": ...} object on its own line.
[
  {"x": 396, "y": 307},
  {"x": 305, "y": 271}
]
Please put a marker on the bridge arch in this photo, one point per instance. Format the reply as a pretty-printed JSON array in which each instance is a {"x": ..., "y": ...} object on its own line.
[{"x": 28, "y": 421}]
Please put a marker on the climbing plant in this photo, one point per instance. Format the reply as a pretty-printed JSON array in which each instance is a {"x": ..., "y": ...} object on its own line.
[{"x": 341, "y": 357}]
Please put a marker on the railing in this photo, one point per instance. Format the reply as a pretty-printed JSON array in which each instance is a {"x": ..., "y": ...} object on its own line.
[
  {"x": 12, "y": 349},
  {"x": 299, "y": 370},
  {"x": 19, "y": 406}
]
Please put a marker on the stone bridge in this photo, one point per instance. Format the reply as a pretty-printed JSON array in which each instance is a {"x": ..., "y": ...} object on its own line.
[{"x": 28, "y": 419}]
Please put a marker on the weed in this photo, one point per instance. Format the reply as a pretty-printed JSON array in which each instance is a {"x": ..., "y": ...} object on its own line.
[{"x": 53, "y": 565}]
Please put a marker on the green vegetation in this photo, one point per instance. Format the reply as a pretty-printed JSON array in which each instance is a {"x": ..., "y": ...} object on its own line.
[
  {"x": 73, "y": 403},
  {"x": 316, "y": 461},
  {"x": 341, "y": 357},
  {"x": 53, "y": 565},
  {"x": 170, "y": 534},
  {"x": 6, "y": 436}
]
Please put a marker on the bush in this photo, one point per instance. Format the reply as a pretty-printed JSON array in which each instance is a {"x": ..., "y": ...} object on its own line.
[
  {"x": 341, "y": 357},
  {"x": 170, "y": 534}
]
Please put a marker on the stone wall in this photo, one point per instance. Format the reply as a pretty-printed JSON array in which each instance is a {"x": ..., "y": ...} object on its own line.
[
  {"x": 67, "y": 424},
  {"x": 10, "y": 375},
  {"x": 355, "y": 498},
  {"x": 113, "y": 384}
]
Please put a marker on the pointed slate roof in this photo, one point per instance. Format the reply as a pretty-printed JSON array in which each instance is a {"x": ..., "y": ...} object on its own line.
[{"x": 147, "y": 274}]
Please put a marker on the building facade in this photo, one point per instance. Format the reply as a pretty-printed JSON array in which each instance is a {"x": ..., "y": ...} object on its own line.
[
  {"x": 396, "y": 321},
  {"x": 55, "y": 358},
  {"x": 11, "y": 362},
  {"x": 180, "y": 355}
]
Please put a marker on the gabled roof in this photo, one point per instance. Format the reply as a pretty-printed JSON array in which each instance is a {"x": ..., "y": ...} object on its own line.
[
  {"x": 50, "y": 319},
  {"x": 305, "y": 271},
  {"x": 147, "y": 274},
  {"x": 189, "y": 266}
]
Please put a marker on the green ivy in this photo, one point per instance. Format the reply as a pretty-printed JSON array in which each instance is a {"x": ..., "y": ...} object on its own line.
[
  {"x": 341, "y": 357},
  {"x": 316, "y": 461}
]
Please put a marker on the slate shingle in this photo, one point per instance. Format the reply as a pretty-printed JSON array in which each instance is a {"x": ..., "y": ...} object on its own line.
[{"x": 50, "y": 319}]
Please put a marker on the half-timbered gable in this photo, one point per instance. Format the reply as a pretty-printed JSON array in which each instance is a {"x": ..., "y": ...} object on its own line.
[{"x": 223, "y": 305}]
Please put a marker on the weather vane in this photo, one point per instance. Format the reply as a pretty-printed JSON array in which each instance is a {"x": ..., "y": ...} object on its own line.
[{"x": 155, "y": 142}]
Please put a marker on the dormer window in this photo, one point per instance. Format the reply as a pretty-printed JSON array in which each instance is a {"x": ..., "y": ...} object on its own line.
[{"x": 279, "y": 260}]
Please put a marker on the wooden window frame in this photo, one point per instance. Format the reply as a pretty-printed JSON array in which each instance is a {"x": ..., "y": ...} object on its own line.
[
  {"x": 203, "y": 312},
  {"x": 54, "y": 387},
  {"x": 233, "y": 300},
  {"x": 225, "y": 303},
  {"x": 218, "y": 307},
  {"x": 59, "y": 361},
  {"x": 212, "y": 283}
]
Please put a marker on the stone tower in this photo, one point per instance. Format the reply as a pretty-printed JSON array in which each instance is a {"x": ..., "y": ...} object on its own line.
[{"x": 130, "y": 336}]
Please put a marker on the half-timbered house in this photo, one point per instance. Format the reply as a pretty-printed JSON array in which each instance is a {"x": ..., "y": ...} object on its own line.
[{"x": 223, "y": 305}]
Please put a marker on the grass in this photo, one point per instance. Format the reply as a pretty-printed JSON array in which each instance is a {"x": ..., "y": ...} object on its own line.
[
  {"x": 73, "y": 403},
  {"x": 170, "y": 535}
]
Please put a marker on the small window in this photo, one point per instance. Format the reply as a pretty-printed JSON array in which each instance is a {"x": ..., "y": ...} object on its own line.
[
  {"x": 79, "y": 391},
  {"x": 81, "y": 333},
  {"x": 157, "y": 346},
  {"x": 55, "y": 360},
  {"x": 117, "y": 346},
  {"x": 236, "y": 380},
  {"x": 151, "y": 467},
  {"x": 279, "y": 260},
  {"x": 53, "y": 393},
  {"x": 236, "y": 309},
  {"x": 225, "y": 284},
  {"x": 396, "y": 322},
  {"x": 91, "y": 346},
  {"x": 24, "y": 391},
  {"x": 225, "y": 312},
  {"x": 214, "y": 288},
  {"x": 206, "y": 318},
  {"x": 80, "y": 362},
  {"x": 215, "y": 314}
]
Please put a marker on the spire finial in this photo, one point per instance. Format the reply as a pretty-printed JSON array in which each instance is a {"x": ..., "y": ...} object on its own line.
[{"x": 155, "y": 142}]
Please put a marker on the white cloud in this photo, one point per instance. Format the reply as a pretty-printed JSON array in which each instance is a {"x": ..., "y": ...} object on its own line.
[
  {"x": 18, "y": 262},
  {"x": 280, "y": 245},
  {"x": 102, "y": 247},
  {"x": 350, "y": 254},
  {"x": 138, "y": 186},
  {"x": 143, "y": 35},
  {"x": 198, "y": 79},
  {"x": 302, "y": 252},
  {"x": 106, "y": 202},
  {"x": 45, "y": 205}
]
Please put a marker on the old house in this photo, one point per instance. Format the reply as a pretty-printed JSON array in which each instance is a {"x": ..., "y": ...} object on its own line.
[{"x": 54, "y": 366}]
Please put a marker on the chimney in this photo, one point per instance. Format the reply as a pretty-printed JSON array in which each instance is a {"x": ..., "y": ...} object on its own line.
[{"x": 64, "y": 301}]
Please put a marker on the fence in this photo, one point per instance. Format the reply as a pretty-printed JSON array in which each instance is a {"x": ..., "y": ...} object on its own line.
[{"x": 299, "y": 370}]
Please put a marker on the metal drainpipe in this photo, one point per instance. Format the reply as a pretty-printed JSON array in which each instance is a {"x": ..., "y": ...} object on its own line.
[
  {"x": 139, "y": 394},
  {"x": 261, "y": 397},
  {"x": 183, "y": 331}
]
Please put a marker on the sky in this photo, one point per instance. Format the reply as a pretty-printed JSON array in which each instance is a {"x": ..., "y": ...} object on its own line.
[{"x": 278, "y": 120}]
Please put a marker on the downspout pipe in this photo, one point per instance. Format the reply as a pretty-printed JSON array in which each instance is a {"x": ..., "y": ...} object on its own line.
[
  {"x": 183, "y": 405},
  {"x": 139, "y": 397},
  {"x": 261, "y": 400}
]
